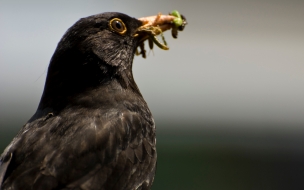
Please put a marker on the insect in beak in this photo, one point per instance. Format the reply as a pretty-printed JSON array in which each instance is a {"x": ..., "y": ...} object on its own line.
[{"x": 156, "y": 25}]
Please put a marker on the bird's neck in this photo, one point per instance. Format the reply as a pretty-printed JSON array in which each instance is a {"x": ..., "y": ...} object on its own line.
[
  {"x": 111, "y": 95},
  {"x": 85, "y": 84}
]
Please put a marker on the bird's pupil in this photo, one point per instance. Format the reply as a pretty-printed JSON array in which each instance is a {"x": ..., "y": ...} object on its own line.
[{"x": 118, "y": 25}]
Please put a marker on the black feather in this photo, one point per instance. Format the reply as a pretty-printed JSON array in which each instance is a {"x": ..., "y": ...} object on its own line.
[{"x": 92, "y": 128}]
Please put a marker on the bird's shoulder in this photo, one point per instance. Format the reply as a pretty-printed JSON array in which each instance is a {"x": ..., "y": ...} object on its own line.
[{"x": 79, "y": 142}]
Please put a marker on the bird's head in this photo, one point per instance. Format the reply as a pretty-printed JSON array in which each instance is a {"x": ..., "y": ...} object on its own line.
[
  {"x": 105, "y": 39},
  {"x": 99, "y": 49}
]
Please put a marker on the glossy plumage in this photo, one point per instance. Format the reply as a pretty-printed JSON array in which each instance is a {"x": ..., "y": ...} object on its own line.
[{"x": 92, "y": 128}]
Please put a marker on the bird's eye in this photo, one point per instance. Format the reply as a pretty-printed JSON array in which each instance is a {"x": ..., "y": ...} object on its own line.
[{"x": 118, "y": 26}]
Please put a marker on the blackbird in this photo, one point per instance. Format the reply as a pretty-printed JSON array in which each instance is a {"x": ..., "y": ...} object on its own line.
[{"x": 92, "y": 128}]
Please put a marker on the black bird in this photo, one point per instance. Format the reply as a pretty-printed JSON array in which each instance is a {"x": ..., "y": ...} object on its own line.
[{"x": 92, "y": 129}]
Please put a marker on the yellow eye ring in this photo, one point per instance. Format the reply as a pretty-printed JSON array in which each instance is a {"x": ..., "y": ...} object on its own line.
[{"x": 118, "y": 26}]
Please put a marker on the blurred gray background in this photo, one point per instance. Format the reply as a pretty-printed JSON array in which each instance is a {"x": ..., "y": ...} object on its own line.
[{"x": 227, "y": 98}]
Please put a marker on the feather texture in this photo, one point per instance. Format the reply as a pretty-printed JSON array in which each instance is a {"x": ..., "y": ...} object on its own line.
[{"x": 92, "y": 129}]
